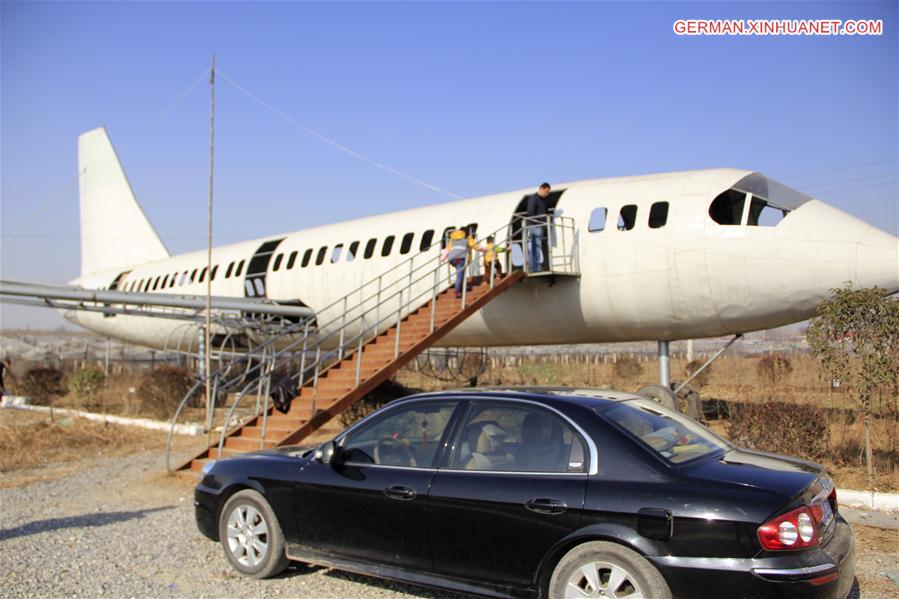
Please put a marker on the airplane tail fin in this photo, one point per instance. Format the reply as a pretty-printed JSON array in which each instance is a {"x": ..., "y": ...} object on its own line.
[{"x": 115, "y": 232}]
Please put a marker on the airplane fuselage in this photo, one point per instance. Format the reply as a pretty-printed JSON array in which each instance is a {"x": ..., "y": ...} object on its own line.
[{"x": 642, "y": 277}]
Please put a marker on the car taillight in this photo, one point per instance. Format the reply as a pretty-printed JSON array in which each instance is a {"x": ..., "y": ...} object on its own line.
[{"x": 793, "y": 530}]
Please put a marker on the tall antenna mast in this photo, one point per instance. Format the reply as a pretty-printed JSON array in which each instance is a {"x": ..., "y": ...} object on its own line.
[{"x": 208, "y": 336}]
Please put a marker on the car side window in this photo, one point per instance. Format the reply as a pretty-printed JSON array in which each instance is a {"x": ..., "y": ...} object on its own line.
[
  {"x": 517, "y": 438},
  {"x": 406, "y": 437}
]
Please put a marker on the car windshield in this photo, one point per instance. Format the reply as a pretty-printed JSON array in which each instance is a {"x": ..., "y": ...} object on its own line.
[{"x": 673, "y": 436}]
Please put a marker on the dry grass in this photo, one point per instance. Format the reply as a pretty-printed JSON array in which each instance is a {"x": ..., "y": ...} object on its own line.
[{"x": 33, "y": 447}]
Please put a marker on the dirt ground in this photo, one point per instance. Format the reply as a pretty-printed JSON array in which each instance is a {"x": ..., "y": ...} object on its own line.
[{"x": 32, "y": 448}]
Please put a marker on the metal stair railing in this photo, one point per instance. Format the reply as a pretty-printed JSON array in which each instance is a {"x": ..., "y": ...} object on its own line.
[
  {"x": 401, "y": 291},
  {"x": 397, "y": 293}
]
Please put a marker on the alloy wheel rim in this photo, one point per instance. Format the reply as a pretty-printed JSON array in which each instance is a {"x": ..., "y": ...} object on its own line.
[
  {"x": 604, "y": 580},
  {"x": 247, "y": 535}
]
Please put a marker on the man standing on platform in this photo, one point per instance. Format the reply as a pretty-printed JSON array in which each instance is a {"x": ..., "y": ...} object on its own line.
[{"x": 537, "y": 219}]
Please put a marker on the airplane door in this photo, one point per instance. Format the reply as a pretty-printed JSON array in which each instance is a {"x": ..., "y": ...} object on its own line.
[
  {"x": 254, "y": 282},
  {"x": 518, "y": 253}
]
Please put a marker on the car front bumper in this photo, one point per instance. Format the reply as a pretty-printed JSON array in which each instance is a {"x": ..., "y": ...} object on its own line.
[
  {"x": 205, "y": 513},
  {"x": 825, "y": 572}
]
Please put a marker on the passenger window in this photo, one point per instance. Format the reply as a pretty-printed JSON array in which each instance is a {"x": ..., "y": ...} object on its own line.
[
  {"x": 627, "y": 218},
  {"x": 239, "y": 269},
  {"x": 174, "y": 280},
  {"x": 658, "y": 215},
  {"x": 426, "y": 240},
  {"x": 388, "y": 245},
  {"x": 351, "y": 251},
  {"x": 727, "y": 208},
  {"x": 291, "y": 260},
  {"x": 406, "y": 243},
  {"x": 320, "y": 257},
  {"x": 761, "y": 213},
  {"x": 156, "y": 284},
  {"x": 228, "y": 270},
  {"x": 147, "y": 285},
  {"x": 183, "y": 279},
  {"x": 203, "y": 274},
  {"x": 193, "y": 275},
  {"x": 165, "y": 282},
  {"x": 215, "y": 269},
  {"x": 597, "y": 220},
  {"x": 335, "y": 253},
  {"x": 370, "y": 248},
  {"x": 307, "y": 256},
  {"x": 277, "y": 263},
  {"x": 406, "y": 437},
  {"x": 517, "y": 439}
]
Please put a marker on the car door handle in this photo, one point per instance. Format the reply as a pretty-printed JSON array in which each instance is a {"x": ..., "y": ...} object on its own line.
[
  {"x": 546, "y": 506},
  {"x": 399, "y": 492}
]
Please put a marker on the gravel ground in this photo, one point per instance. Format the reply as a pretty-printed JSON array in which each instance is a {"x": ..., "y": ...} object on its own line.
[{"x": 120, "y": 528}]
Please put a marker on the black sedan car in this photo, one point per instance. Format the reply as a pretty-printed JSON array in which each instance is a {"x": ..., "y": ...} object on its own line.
[{"x": 536, "y": 492}]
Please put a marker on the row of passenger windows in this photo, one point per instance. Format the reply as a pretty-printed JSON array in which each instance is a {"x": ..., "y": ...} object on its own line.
[
  {"x": 348, "y": 252},
  {"x": 627, "y": 217},
  {"x": 187, "y": 277}
]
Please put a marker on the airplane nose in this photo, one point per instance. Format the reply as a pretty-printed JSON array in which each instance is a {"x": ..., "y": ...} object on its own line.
[{"x": 877, "y": 260}]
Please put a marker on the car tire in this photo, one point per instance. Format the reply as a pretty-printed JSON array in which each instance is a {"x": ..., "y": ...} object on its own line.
[
  {"x": 660, "y": 394},
  {"x": 609, "y": 570},
  {"x": 251, "y": 536}
]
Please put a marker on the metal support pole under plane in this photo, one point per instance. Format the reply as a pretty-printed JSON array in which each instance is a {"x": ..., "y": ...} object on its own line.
[{"x": 664, "y": 365}]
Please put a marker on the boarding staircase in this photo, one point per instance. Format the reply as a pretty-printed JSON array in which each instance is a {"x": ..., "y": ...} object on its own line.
[{"x": 362, "y": 339}]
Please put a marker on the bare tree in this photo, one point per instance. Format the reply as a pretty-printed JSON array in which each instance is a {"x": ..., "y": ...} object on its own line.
[{"x": 856, "y": 338}]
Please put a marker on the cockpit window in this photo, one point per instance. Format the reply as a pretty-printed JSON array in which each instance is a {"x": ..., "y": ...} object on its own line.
[
  {"x": 727, "y": 208},
  {"x": 761, "y": 213},
  {"x": 771, "y": 202},
  {"x": 774, "y": 193}
]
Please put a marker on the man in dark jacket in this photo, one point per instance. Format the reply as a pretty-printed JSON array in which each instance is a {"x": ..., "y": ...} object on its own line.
[{"x": 537, "y": 219}]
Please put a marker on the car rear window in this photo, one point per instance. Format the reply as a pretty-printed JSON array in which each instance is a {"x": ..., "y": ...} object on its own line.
[{"x": 671, "y": 435}]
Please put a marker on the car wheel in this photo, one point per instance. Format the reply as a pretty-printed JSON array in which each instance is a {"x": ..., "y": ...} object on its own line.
[
  {"x": 606, "y": 570},
  {"x": 251, "y": 535}
]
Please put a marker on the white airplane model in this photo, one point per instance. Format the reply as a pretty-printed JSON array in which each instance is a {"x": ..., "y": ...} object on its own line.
[{"x": 661, "y": 257}]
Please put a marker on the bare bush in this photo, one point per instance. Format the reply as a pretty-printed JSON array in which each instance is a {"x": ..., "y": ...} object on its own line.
[
  {"x": 86, "y": 382},
  {"x": 160, "y": 390},
  {"x": 792, "y": 429},
  {"x": 627, "y": 368},
  {"x": 41, "y": 384},
  {"x": 380, "y": 396},
  {"x": 774, "y": 369}
]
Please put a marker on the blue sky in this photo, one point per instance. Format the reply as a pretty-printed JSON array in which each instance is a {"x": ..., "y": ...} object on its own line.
[{"x": 474, "y": 98}]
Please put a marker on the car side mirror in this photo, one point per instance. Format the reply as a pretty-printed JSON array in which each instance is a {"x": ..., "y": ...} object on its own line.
[{"x": 327, "y": 453}]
